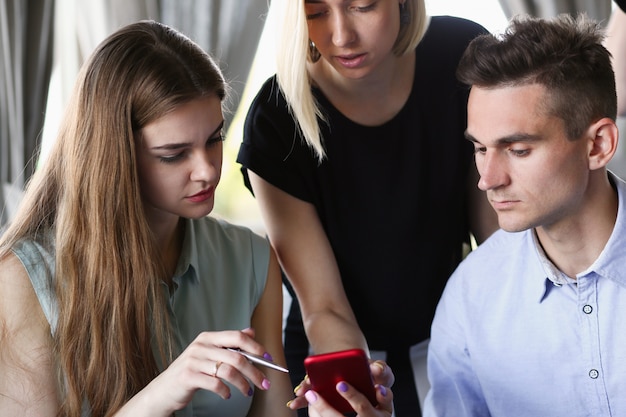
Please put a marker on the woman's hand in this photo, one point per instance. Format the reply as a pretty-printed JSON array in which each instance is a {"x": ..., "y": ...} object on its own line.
[
  {"x": 206, "y": 364},
  {"x": 381, "y": 374},
  {"x": 318, "y": 407}
]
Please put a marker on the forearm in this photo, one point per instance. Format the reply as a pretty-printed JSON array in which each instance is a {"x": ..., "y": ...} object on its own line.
[
  {"x": 329, "y": 330},
  {"x": 143, "y": 404}
]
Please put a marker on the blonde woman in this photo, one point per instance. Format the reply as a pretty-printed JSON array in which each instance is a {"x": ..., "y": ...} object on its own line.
[
  {"x": 356, "y": 153},
  {"x": 120, "y": 295}
]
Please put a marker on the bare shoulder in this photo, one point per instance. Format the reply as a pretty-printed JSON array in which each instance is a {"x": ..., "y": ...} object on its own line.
[
  {"x": 19, "y": 300},
  {"x": 26, "y": 354}
]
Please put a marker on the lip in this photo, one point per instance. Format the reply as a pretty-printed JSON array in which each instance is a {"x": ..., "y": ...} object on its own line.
[
  {"x": 202, "y": 196},
  {"x": 503, "y": 204},
  {"x": 350, "y": 60}
]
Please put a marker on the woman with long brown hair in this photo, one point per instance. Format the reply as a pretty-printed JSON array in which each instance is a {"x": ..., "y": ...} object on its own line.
[{"x": 120, "y": 294}]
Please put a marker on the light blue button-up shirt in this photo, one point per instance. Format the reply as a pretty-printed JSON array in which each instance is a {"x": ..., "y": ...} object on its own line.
[{"x": 513, "y": 336}]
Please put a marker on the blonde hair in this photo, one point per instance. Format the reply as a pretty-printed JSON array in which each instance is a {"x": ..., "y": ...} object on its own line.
[
  {"x": 292, "y": 53},
  {"x": 85, "y": 203}
]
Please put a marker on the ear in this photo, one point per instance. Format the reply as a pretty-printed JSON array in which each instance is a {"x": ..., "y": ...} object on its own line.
[{"x": 602, "y": 147}]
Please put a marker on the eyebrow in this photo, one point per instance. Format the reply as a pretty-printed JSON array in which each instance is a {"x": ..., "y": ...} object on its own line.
[
  {"x": 507, "y": 140},
  {"x": 174, "y": 146}
]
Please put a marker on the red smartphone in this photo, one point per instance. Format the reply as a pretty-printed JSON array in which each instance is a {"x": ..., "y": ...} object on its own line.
[{"x": 327, "y": 369}]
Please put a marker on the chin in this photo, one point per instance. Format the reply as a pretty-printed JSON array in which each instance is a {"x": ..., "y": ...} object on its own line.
[
  {"x": 513, "y": 227},
  {"x": 199, "y": 213}
]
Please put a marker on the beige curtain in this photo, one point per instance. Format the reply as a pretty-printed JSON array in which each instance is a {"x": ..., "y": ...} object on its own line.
[{"x": 25, "y": 64}]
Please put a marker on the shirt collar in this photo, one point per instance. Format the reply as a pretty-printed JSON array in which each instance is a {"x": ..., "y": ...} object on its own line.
[
  {"x": 608, "y": 263},
  {"x": 552, "y": 276}
]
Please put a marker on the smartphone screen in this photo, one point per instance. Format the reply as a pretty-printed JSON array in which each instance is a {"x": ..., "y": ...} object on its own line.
[{"x": 327, "y": 369}]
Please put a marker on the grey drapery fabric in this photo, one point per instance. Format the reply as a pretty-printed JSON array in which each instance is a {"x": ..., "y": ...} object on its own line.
[
  {"x": 81, "y": 25},
  {"x": 25, "y": 64},
  {"x": 228, "y": 29},
  {"x": 596, "y": 9}
]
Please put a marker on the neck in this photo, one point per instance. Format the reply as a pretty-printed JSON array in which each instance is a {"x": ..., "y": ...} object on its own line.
[
  {"x": 574, "y": 244},
  {"x": 373, "y": 99},
  {"x": 169, "y": 237}
]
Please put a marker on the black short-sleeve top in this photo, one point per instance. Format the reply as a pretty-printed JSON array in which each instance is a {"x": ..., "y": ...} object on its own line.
[{"x": 391, "y": 198}]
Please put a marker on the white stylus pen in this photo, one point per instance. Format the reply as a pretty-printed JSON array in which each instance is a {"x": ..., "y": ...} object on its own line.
[{"x": 259, "y": 359}]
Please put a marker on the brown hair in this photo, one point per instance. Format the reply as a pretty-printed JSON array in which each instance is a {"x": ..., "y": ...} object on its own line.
[
  {"x": 565, "y": 54},
  {"x": 86, "y": 201}
]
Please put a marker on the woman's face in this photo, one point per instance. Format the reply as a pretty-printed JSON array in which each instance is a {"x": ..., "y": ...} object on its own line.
[
  {"x": 180, "y": 160},
  {"x": 354, "y": 36}
]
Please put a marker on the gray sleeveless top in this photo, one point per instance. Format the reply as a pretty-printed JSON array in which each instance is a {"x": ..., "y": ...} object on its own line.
[{"x": 219, "y": 279}]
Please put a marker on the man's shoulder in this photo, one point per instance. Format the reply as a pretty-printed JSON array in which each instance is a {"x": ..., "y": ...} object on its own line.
[
  {"x": 497, "y": 257},
  {"x": 499, "y": 245}
]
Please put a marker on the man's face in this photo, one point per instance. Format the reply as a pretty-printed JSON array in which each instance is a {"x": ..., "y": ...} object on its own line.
[{"x": 533, "y": 175}]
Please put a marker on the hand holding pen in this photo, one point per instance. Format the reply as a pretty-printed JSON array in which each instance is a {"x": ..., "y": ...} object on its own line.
[
  {"x": 265, "y": 360},
  {"x": 206, "y": 364}
]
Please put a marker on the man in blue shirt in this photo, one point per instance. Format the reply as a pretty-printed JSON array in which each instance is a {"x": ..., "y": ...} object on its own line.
[{"x": 533, "y": 322}]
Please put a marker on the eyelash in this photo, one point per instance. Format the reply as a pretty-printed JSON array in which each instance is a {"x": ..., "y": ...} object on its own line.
[
  {"x": 516, "y": 152},
  {"x": 175, "y": 158},
  {"x": 519, "y": 152},
  {"x": 360, "y": 9}
]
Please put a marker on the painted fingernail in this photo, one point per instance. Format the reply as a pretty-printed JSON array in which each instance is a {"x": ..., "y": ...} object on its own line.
[
  {"x": 380, "y": 364},
  {"x": 266, "y": 384},
  {"x": 310, "y": 397},
  {"x": 383, "y": 390},
  {"x": 342, "y": 386},
  {"x": 268, "y": 357},
  {"x": 288, "y": 405},
  {"x": 250, "y": 392},
  {"x": 295, "y": 390}
]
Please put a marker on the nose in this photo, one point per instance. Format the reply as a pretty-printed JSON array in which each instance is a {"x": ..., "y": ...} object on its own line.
[
  {"x": 207, "y": 166},
  {"x": 342, "y": 30},
  {"x": 492, "y": 171}
]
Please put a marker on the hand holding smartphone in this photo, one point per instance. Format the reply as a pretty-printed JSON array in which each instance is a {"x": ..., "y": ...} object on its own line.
[{"x": 327, "y": 369}]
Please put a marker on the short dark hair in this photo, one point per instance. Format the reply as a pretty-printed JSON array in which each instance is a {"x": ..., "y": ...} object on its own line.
[{"x": 564, "y": 54}]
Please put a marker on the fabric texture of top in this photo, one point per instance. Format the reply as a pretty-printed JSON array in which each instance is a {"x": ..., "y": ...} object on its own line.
[
  {"x": 391, "y": 198},
  {"x": 513, "y": 336},
  {"x": 219, "y": 280}
]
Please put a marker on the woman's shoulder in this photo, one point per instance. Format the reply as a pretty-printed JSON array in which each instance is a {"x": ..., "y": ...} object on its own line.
[
  {"x": 450, "y": 34},
  {"x": 269, "y": 94},
  {"x": 20, "y": 308},
  {"x": 217, "y": 231},
  {"x": 26, "y": 351},
  {"x": 33, "y": 263},
  {"x": 454, "y": 24}
]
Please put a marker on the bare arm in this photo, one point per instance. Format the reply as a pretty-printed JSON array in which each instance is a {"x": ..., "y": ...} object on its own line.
[
  {"x": 267, "y": 323},
  {"x": 616, "y": 44},
  {"x": 28, "y": 385},
  {"x": 306, "y": 256}
]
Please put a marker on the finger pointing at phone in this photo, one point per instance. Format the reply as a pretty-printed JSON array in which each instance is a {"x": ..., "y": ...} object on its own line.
[{"x": 318, "y": 407}]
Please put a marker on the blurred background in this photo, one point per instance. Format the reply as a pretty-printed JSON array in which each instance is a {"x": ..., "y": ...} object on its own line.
[{"x": 44, "y": 42}]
